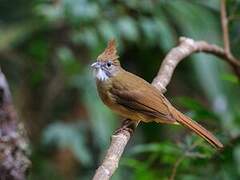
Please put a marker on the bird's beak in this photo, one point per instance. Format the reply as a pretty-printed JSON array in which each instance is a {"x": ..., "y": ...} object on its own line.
[{"x": 95, "y": 65}]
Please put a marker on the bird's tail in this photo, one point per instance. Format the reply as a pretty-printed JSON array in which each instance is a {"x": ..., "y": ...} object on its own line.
[{"x": 198, "y": 129}]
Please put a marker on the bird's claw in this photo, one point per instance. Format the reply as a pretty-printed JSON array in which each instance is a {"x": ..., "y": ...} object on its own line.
[{"x": 127, "y": 126}]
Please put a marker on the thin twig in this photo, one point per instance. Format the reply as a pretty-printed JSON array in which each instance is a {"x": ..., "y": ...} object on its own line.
[
  {"x": 181, "y": 158},
  {"x": 227, "y": 48},
  {"x": 175, "y": 166},
  {"x": 224, "y": 22}
]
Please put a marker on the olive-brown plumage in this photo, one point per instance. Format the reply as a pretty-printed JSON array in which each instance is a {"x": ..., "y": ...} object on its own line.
[{"x": 132, "y": 97}]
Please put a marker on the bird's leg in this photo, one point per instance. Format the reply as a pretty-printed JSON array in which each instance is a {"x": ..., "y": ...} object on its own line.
[{"x": 127, "y": 125}]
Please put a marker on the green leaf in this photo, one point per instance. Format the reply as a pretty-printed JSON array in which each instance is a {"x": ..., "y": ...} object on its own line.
[
  {"x": 87, "y": 37},
  {"x": 141, "y": 169},
  {"x": 127, "y": 28},
  {"x": 199, "y": 110},
  {"x": 82, "y": 9},
  {"x": 230, "y": 78},
  {"x": 164, "y": 34},
  {"x": 69, "y": 63},
  {"x": 107, "y": 30},
  {"x": 149, "y": 29},
  {"x": 236, "y": 155},
  {"x": 11, "y": 34},
  {"x": 155, "y": 147}
]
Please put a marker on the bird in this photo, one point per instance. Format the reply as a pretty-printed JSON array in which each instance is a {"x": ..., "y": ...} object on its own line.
[{"x": 133, "y": 98}]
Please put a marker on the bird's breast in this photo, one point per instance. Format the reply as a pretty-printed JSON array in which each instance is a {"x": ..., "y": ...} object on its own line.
[{"x": 104, "y": 92}]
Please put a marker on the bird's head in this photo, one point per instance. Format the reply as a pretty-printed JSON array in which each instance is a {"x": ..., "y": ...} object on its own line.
[{"x": 107, "y": 64}]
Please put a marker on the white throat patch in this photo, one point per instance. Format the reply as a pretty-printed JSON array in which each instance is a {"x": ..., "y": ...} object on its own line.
[{"x": 101, "y": 75}]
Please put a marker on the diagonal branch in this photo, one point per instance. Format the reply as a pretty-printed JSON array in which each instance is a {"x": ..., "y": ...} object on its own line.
[{"x": 185, "y": 48}]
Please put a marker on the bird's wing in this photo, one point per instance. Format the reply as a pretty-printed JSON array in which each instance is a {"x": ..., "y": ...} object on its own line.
[{"x": 141, "y": 97}]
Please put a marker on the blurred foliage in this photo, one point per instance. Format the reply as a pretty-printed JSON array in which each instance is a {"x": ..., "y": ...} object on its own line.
[
  {"x": 46, "y": 47},
  {"x": 71, "y": 136}
]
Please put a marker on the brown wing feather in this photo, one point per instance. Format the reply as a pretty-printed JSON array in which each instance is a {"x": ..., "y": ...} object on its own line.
[
  {"x": 132, "y": 101},
  {"x": 140, "y": 96}
]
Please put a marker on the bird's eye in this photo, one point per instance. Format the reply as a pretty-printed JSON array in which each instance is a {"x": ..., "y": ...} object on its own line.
[{"x": 109, "y": 64}]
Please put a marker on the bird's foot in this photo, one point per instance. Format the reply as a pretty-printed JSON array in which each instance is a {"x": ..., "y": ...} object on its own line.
[
  {"x": 123, "y": 130},
  {"x": 127, "y": 125}
]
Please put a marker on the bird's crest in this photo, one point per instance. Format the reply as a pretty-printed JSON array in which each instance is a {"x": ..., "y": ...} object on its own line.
[{"x": 110, "y": 53}]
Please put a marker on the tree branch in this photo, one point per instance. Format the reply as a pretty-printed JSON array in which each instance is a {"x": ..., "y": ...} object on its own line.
[
  {"x": 226, "y": 42},
  {"x": 185, "y": 48},
  {"x": 14, "y": 162}
]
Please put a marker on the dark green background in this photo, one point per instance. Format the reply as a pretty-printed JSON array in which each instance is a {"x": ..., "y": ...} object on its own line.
[{"x": 46, "y": 48}]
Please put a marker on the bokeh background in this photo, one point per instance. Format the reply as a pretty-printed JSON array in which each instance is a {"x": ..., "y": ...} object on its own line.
[{"x": 46, "y": 48}]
